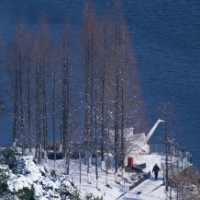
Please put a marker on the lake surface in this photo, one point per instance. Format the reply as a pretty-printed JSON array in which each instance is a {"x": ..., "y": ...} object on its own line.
[{"x": 166, "y": 42}]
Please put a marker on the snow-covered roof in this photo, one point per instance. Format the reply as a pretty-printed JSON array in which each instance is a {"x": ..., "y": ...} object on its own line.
[{"x": 133, "y": 141}]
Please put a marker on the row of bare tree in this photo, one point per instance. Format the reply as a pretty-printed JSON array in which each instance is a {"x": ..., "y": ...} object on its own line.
[
  {"x": 46, "y": 102},
  {"x": 112, "y": 95},
  {"x": 39, "y": 73}
]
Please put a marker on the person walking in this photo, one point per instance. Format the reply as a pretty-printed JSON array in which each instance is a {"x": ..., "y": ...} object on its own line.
[{"x": 156, "y": 169}]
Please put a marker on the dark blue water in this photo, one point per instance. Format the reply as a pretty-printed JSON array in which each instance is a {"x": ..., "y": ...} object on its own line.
[{"x": 166, "y": 42}]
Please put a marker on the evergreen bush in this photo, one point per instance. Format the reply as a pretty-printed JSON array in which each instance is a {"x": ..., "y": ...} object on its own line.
[
  {"x": 3, "y": 181},
  {"x": 90, "y": 196},
  {"x": 9, "y": 156},
  {"x": 75, "y": 195},
  {"x": 10, "y": 197},
  {"x": 54, "y": 175},
  {"x": 98, "y": 198},
  {"x": 26, "y": 193}
]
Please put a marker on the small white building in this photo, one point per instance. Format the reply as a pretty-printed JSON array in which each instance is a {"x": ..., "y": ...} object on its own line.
[{"x": 135, "y": 143}]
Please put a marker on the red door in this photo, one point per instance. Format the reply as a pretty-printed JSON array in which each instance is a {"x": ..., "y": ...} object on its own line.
[{"x": 130, "y": 161}]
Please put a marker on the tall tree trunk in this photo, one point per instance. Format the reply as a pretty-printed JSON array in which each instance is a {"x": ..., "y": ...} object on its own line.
[
  {"x": 122, "y": 108},
  {"x": 15, "y": 104},
  {"x": 103, "y": 106},
  {"x": 53, "y": 119},
  {"x": 37, "y": 114},
  {"x": 96, "y": 157},
  {"x": 67, "y": 121},
  {"x": 21, "y": 97},
  {"x": 29, "y": 105},
  {"x": 116, "y": 106},
  {"x": 66, "y": 65}
]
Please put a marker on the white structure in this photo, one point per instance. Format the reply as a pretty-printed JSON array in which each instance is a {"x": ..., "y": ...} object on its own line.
[
  {"x": 153, "y": 129},
  {"x": 136, "y": 143}
]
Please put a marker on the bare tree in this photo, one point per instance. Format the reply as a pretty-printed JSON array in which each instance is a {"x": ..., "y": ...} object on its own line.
[
  {"x": 42, "y": 50},
  {"x": 65, "y": 52},
  {"x": 18, "y": 63},
  {"x": 88, "y": 32},
  {"x": 53, "y": 103},
  {"x": 122, "y": 86},
  {"x": 105, "y": 56}
]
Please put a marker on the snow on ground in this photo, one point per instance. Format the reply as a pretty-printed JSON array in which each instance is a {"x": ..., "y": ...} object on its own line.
[
  {"x": 31, "y": 174},
  {"x": 149, "y": 190},
  {"x": 47, "y": 184},
  {"x": 146, "y": 188}
]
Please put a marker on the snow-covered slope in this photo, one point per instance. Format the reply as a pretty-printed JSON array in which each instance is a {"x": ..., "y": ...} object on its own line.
[
  {"x": 28, "y": 177},
  {"x": 46, "y": 183}
]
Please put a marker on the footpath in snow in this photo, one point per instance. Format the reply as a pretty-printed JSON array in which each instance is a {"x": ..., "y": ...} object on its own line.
[{"x": 149, "y": 190}]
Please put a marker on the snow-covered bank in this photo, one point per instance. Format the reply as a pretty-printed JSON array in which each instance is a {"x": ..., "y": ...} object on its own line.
[
  {"x": 42, "y": 182},
  {"x": 26, "y": 180}
]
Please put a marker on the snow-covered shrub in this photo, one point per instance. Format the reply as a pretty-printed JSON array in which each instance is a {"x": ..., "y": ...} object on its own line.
[
  {"x": 54, "y": 175},
  {"x": 43, "y": 171},
  {"x": 9, "y": 155},
  {"x": 31, "y": 181},
  {"x": 35, "y": 161},
  {"x": 67, "y": 187},
  {"x": 46, "y": 168},
  {"x": 4, "y": 175},
  {"x": 26, "y": 193},
  {"x": 90, "y": 196},
  {"x": 75, "y": 195},
  {"x": 10, "y": 197},
  {"x": 20, "y": 167},
  {"x": 98, "y": 198}
]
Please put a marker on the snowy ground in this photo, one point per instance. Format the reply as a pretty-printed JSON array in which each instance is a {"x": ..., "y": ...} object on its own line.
[{"x": 149, "y": 188}]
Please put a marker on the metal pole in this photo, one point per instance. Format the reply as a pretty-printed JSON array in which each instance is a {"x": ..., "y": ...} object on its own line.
[
  {"x": 80, "y": 167},
  {"x": 170, "y": 150},
  {"x": 177, "y": 175},
  {"x": 166, "y": 157},
  {"x": 124, "y": 190}
]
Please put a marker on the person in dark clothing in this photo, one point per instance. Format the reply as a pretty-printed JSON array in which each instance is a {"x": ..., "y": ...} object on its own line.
[{"x": 156, "y": 169}]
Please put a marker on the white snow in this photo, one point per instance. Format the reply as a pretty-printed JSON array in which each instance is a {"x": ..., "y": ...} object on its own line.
[
  {"x": 46, "y": 186},
  {"x": 39, "y": 177},
  {"x": 116, "y": 190}
]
